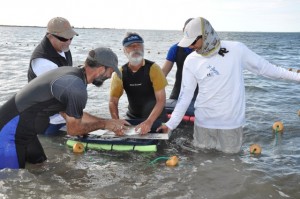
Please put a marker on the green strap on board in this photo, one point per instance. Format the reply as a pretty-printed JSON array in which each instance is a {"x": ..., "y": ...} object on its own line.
[{"x": 115, "y": 147}]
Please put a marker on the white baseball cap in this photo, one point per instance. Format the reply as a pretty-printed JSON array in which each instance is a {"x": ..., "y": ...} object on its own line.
[{"x": 192, "y": 30}]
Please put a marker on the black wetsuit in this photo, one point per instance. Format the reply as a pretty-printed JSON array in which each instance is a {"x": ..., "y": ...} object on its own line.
[
  {"x": 178, "y": 55},
  {"x": 140, "y": 92},
  {"x": 27, "y": 113},
  {"x": 180, "y": 58}
]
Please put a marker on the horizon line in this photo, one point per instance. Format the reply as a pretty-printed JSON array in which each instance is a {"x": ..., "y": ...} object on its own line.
[{"x": 30, "y": 26}]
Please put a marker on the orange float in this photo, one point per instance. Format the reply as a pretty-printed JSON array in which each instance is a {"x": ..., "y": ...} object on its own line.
[
  {"x": 78, "y": 147},
  {"x": 278, "y": 127},
  {"x": 255, "y": 149},
  {"x": 294, "y": 70},
  {"x": 172, "y": 161}
]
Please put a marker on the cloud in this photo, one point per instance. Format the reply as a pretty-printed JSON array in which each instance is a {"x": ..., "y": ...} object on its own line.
[{"x": 225, "y": 15}]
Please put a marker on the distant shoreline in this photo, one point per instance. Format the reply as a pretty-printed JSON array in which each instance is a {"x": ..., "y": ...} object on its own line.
[
  {"x": 45, "y": 27},
  {"x": 139, "y": 29},
  {"x": 82, "y": 28}
]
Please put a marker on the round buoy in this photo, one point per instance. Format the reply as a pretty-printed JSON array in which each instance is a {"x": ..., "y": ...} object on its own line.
[
  {"x": 78, "y": 147},
  {"x": 255, "y": 149},
  {"x": 278, "y": 126},
  {"x": 192, "y": 119},
  {"x": 172, "y": 161},
  {"x": 294, "y": 70},
  {"x": 186, "y": 118}
]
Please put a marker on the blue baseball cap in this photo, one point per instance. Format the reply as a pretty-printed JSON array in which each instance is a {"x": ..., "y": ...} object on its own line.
[{"x": 132, "y": 38}]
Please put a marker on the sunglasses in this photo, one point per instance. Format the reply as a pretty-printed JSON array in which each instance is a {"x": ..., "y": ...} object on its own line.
[
  {"x": 61, "y": 38},
  {"x": 199, "y": 37}
]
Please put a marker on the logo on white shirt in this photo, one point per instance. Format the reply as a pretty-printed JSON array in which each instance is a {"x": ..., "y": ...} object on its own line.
[{"x": 212, "y": 71}]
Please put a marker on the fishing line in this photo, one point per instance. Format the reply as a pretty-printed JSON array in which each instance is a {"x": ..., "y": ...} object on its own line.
[{"x": 159, "y": 158}]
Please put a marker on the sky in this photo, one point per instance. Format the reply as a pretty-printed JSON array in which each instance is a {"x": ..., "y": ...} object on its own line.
[{"x": 224, "y": 15}]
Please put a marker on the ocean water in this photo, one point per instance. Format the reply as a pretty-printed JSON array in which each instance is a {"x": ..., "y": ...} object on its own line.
[{"x": 200, "y": 174}]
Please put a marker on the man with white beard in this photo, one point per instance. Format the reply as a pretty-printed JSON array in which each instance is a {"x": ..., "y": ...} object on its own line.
[{"x": 144, "y": 84}]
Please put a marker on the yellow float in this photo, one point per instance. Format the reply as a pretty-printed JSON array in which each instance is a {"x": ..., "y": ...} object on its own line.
[
  {"x": 278, "y": 127},
  {"x": 172, "y": 161},
  {"x": 78, "y": 147},
  {"x": 255, "y": 149}
]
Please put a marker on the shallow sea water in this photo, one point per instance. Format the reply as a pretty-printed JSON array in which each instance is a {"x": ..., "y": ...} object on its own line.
[{"x": 200, "y": 174}]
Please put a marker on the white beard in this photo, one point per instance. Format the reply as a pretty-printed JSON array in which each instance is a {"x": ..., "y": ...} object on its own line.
[{"x": 134, "y": 59}]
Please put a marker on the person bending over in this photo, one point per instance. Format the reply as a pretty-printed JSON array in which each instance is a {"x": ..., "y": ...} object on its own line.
[{"x": 64, "y": 90}]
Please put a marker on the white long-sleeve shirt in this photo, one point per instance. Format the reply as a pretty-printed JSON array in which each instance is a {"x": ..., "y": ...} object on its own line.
[{"x": 220, "y": 103}]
